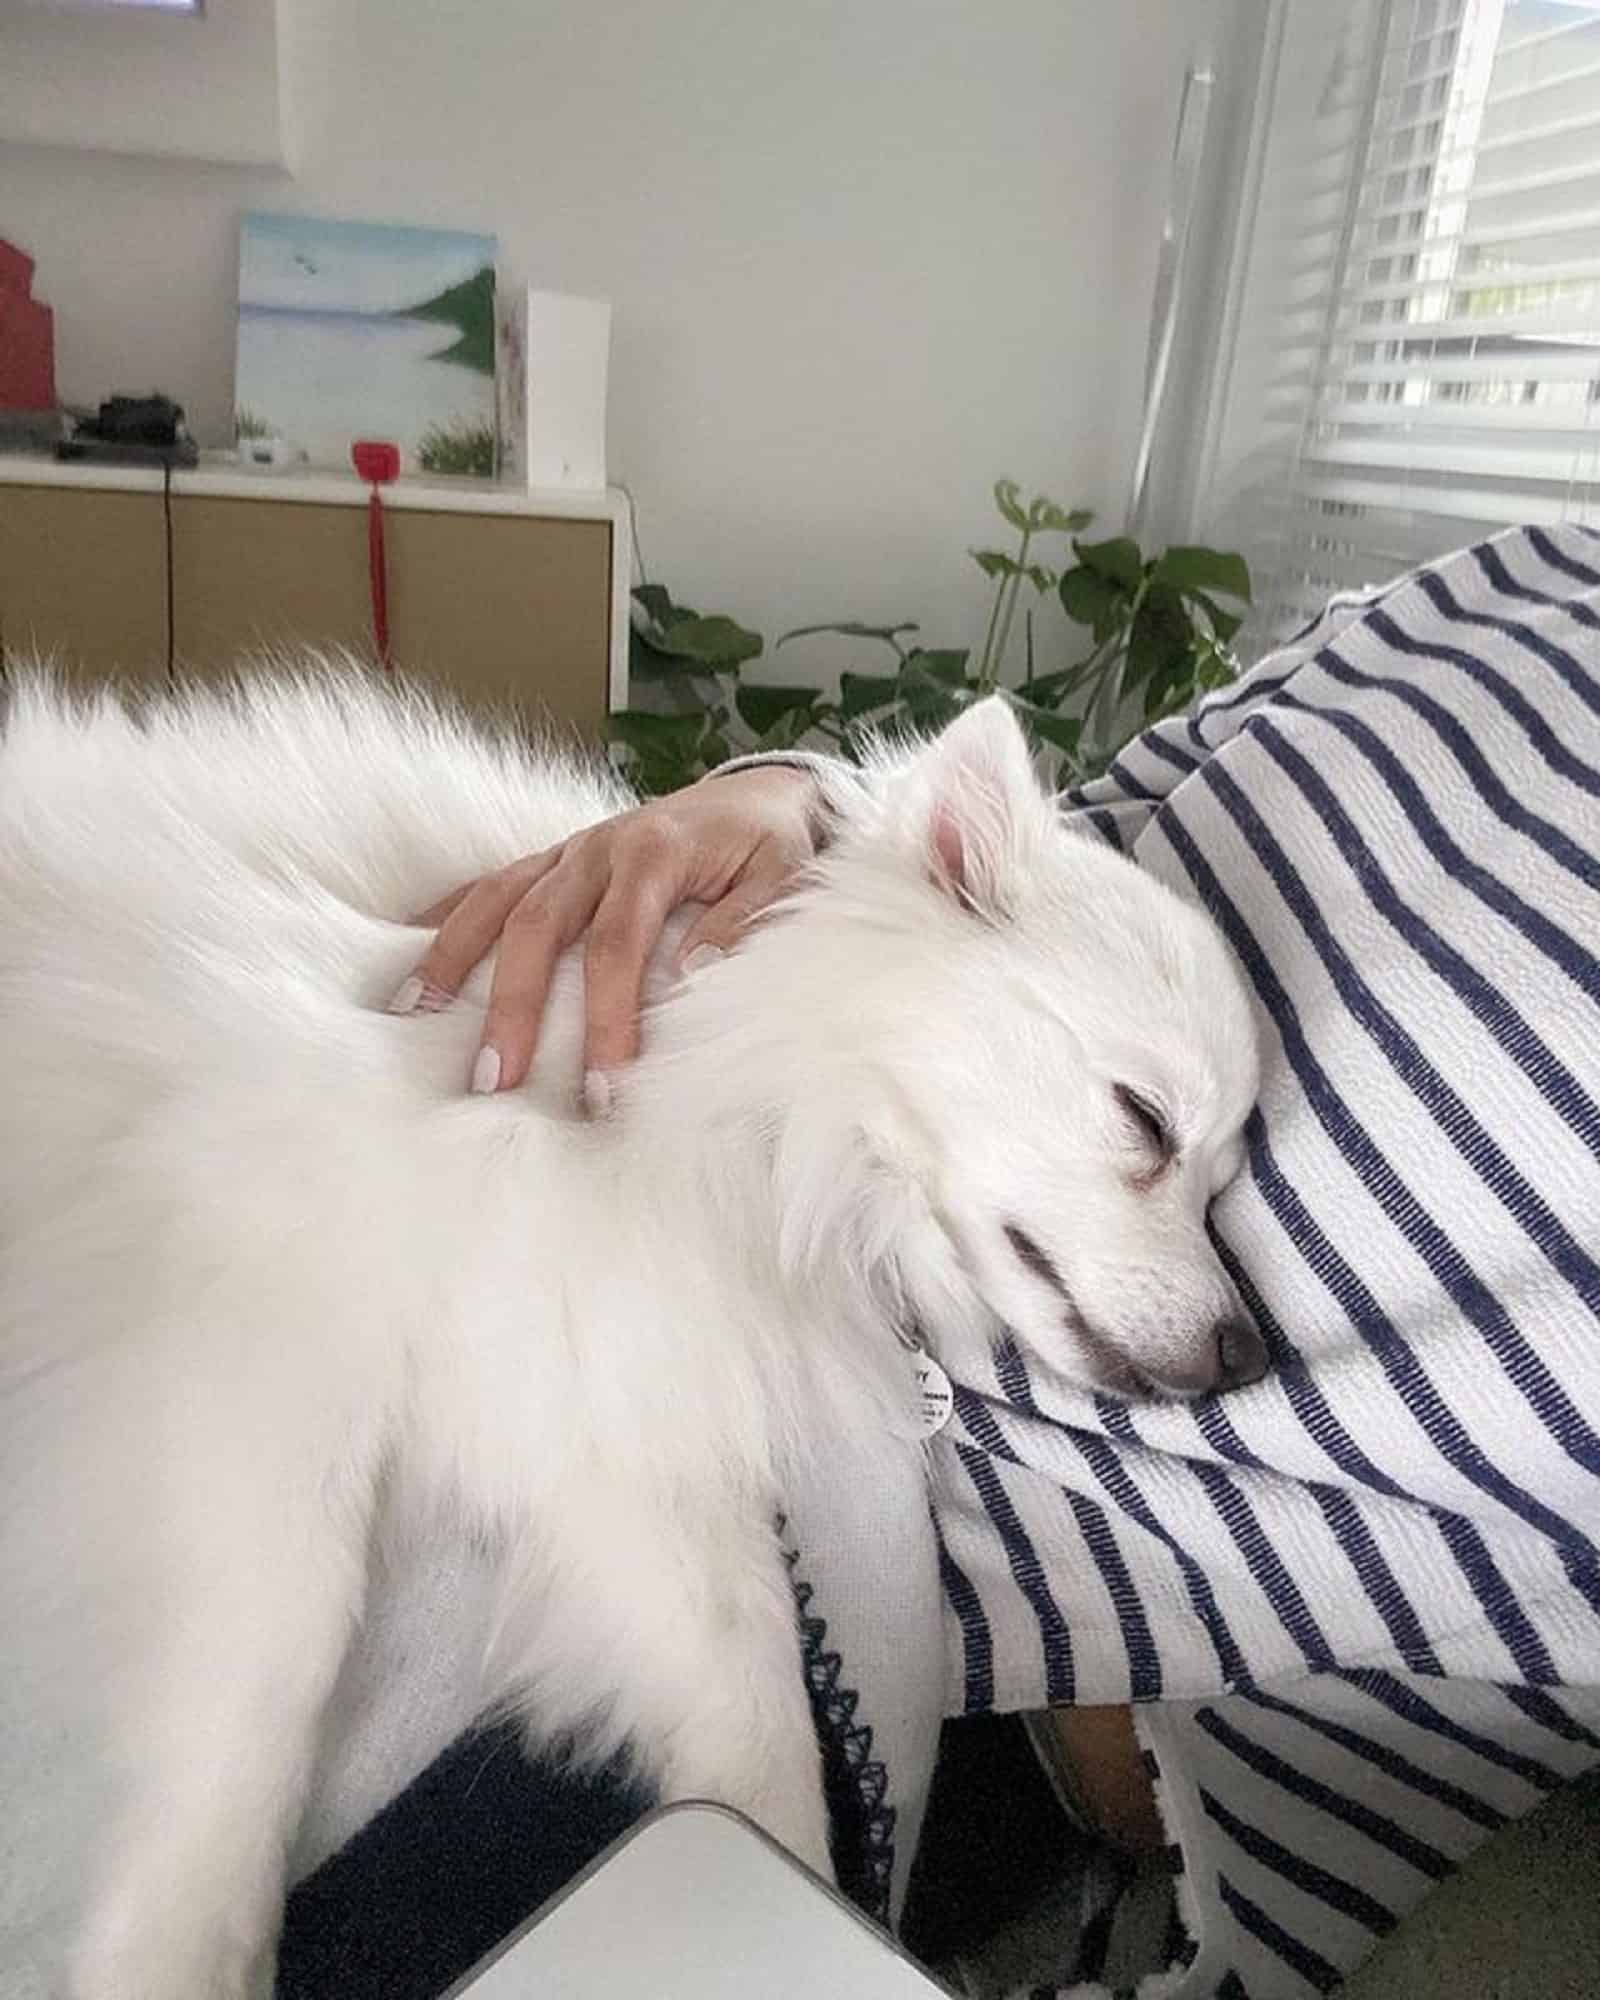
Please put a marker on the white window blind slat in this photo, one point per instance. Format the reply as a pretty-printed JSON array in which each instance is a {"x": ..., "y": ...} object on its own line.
[
  {"x": 1527, "y": 464},
  {"x": 1518, "y": 95},
  {"x": 1500, "y": 240},
  {"x": 1438, "y": 82},
  {"x": 1568, "y": 364},
  {"x": 1513, "y": 44},
  {"x": 1402, "y": 340},
  {"x": 1465, "y": 420},
  {"x": 1529, "y": 133},
  {"x": 1482, "y": 507},
  {"x": 1553, "y": 182},
  {"x": 1417, "y": 341},
  {"x": 1397, "y": 295}
]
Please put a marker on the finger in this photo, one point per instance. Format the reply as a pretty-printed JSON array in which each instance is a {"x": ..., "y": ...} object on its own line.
[
  {"x": 469, "y": 932},
  {"x": 434, "y": 915},
  {"x": 552, "y": 915},
  {"x": 626, "y": 930},
  {"x": 722, "y": 926}
]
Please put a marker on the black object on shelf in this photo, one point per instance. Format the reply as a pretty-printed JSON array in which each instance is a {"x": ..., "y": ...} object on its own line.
[
  {"x": 30, "y": 430},
  {"x": 133, "y": 430}
]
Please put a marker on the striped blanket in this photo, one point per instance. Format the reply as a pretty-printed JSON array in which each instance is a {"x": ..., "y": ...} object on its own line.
[{"x": 1359, "y": 1604}]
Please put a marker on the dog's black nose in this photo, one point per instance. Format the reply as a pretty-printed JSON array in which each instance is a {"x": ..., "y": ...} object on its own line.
[{"x": 1241, "y": 1354}]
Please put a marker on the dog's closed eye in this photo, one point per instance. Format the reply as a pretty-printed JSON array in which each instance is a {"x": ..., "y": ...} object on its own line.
[
  {"x": 1146, "y": 1119},
  {"x": 1033, "y": 1259}
]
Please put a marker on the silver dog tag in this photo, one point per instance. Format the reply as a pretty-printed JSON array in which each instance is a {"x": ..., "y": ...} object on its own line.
[{"x": 929, "y": 1400}]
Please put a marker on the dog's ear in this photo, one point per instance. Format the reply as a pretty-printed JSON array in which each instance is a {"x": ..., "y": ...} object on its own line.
[{"x": 982, "y": 806}]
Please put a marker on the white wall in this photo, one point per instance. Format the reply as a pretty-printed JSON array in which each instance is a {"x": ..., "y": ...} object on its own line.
[{"x": 866, "y": 255}]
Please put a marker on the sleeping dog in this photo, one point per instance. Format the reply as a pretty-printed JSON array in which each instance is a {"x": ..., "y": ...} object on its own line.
[{"x": 269, "y": 1279}]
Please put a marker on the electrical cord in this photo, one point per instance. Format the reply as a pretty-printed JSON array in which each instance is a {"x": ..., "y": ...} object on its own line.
[{"x": 166, "y": 517}]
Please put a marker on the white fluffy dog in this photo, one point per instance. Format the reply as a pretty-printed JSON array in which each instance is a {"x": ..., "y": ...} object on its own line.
[{"x": 269, "y": 1279}]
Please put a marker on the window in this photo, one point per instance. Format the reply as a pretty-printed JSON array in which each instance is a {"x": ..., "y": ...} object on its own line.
[{"x": 1413, "y": 357}]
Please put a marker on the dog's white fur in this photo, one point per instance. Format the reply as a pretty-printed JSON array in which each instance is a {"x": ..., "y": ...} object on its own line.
[{"x": 269, "y": 1277}]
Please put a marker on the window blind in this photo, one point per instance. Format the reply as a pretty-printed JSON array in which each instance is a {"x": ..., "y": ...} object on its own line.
[{"x": 1414, "y": 352}]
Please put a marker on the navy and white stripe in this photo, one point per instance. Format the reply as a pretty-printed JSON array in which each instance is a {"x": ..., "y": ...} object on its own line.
[{"x": 1363, "y": 1597}]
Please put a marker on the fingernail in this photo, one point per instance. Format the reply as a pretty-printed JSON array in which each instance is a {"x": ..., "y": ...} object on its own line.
[
  {"x": 702, "y": 956},
  {"x": 598, "y": 1096},
  {"x": 486, "y": 1071},
  {"x": 416, "y": 996}
]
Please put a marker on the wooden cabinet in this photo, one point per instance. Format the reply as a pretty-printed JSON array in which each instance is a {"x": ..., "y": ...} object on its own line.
[
  {"x": 81, "y": 578},
  {"x": 504, "y": 597},
  {"x": 257, "y": 575}
]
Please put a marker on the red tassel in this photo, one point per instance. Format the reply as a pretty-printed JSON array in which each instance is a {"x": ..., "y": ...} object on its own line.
[
  {"x": 378, "y": 576},
  {"x": 377, "y": 463}
]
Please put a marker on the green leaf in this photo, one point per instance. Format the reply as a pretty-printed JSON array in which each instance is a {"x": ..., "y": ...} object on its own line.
[
  {"x": 931, "y": 709},
  {"x": 1216, "y": 671},
  {"x": 762, "y": 707},
  {"x": 655, "y": 781},
  {"x": 849, "y": 630},
  {"x": 1174, "y": 680},
  {"x": 1060, "y": 731},
  {"x": 860, "y": 693},
  {"x": 1050, "y": 690},
  {"x": 930, "y": 699},
  {"x": 1087, "y": 598},
  {"x": 788, "y": 729},
  {"x": 646, "y": 662},
  {"x": 995, "y": 562},
  {"x": 1120, "y": 560},
  {"x": 1195, "y": 569},
  {"x": 1214, "y": 666},
  {"x": 1223, "y": 623},
  {"x": 656, "y": 600},
  {"x": 661, "y": 736},
  {"x": 717, "y": 641},
  {"x": 1045, "y": 517},
  {"x": 1008, "y": 498},
  {"x": 666, "y": 752},
  {"x": 947, "y": 664},
  {"x": 1040, "y": 577},
  {"x": 1160, "y": 637}
]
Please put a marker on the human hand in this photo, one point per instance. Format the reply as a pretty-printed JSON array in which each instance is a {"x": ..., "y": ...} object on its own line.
[{"x": 734, "y": 843}]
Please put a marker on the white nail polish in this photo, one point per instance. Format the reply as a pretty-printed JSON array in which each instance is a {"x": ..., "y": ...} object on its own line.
[
  {"x": 597, "y": 1093},
  {"x": 486, "y": 1072},
  {"x": 406, "y": 996},
  {"x": 702, "y": 956}
]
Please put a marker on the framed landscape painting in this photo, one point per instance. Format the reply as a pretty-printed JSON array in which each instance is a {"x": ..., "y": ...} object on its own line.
[{"x": 367, "y": 330}]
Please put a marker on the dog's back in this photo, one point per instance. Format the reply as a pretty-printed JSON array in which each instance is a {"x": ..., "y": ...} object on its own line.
[
  {"x": 219, "y": 878},
  {"x": 205, "y": 1109},
  {"x": 202, "y": 820}
]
